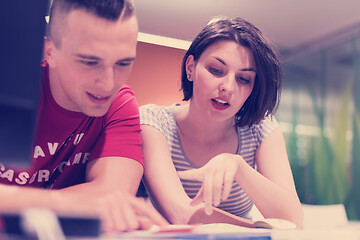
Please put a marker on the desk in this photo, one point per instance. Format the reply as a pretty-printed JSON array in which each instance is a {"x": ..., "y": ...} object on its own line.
[{"x": 350, "y": 231}]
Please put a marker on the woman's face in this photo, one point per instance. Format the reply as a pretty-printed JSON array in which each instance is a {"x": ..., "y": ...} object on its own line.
[{"x": 223, "y": 78}]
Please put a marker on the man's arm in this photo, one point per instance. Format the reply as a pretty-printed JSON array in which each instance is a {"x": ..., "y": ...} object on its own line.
[
  {"x": 109, "y": 194},
  {"x": 111, "y": 180},
  {"x": 112, "y": 185},
  {"x": 112, "y": 173}
]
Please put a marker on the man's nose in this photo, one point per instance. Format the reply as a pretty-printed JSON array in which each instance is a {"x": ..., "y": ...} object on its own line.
[{"x": 106, "y": 81}]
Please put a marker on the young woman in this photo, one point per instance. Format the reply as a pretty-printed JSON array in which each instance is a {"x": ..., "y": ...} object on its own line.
[{"x": 224, "y": 148}]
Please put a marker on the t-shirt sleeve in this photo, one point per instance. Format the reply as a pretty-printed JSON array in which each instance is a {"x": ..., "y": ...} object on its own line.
[
  {"x": 121, "y": 134},
  {"x": 155, "y": 116},
  {"x": 264, "y": 128}
]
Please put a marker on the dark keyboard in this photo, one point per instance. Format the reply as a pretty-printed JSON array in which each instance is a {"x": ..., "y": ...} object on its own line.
[{"x": 71, "y": 226}]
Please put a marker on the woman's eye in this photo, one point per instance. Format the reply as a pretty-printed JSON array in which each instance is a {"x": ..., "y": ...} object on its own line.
[
  {"x": 243, "y": 80},
  {"x": 215, "y": 71}
]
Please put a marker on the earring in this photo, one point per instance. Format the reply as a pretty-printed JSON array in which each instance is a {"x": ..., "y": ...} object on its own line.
[{"x": 188, "y": 76}]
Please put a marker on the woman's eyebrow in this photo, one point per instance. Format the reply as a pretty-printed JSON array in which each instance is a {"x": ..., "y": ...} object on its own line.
[
  {"x": 243, "y": 69},
  {"x": 220, "y": 60}
]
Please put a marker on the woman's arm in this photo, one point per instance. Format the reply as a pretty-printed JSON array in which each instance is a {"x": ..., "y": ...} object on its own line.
[
  {"x": 273, "y": 190},
  {"x": 161, "y": 179}
]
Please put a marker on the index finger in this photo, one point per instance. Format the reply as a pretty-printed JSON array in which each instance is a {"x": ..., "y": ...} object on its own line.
[
  {"x": 192, "y": 174},
  {"x": 144, "y": 209}
]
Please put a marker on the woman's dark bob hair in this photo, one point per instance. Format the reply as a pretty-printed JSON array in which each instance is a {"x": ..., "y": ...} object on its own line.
[{"x": 265, "y": 96}]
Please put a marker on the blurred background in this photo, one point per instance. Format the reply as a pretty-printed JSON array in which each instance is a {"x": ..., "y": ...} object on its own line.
[{"x": 319, "y": 113}]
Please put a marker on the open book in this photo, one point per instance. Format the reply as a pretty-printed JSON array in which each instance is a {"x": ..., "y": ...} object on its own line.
[
  {"x": 218, "y": 225},
  {"x": 220, "y": 216}
]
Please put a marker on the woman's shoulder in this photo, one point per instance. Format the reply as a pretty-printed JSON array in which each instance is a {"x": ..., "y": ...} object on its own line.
[
  {"x": 155, "y": 110},
  {"x": 153, "y": 114},
  {"x": 263, "y": 128},
  {"x": 269, "y": 120},
  {"x": 160, "y": 117}
]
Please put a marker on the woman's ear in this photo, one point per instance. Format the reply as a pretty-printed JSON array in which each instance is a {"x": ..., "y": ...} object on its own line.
[
  {"x": 190, "y": 67},
  {"x": 48, "y": 52}
]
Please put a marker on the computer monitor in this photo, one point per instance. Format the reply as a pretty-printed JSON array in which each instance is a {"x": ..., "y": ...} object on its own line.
[{"x": 22, "y": 28}]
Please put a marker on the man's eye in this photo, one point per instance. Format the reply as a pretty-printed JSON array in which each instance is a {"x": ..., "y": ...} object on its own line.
[
  {"x": 123, "y": 64},
  {"x": 215, "y": 71},
  {"x": 89, "y": 63}
]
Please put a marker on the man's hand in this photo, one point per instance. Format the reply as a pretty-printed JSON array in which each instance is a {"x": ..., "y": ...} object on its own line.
[
  {"x": 111, "y": 180},
  {"x": 123, "y": 212},
  {"x": 117, "y": 210}
]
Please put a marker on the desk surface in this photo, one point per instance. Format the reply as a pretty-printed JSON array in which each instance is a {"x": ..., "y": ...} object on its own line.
[{"x": 351, "y": 231}]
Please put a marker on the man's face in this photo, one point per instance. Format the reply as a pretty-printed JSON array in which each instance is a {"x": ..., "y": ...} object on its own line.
[{"x": 93, "y": 61}]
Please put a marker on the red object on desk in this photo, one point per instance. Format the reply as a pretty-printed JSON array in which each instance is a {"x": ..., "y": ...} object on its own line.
[{"x": 175, "y": 228}]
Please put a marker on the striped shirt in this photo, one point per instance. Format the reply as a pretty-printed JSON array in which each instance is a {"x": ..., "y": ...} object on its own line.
[{"x": 162, "y": 118}]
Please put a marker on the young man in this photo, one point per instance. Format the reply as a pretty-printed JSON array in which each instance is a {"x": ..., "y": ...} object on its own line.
[{"x": 88, "y": 146}]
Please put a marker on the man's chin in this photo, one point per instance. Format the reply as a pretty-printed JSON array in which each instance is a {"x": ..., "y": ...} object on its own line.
[{"x": 98, "y": 112}]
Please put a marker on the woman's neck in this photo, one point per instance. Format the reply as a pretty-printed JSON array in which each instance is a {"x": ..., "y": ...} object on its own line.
[{"x": 192, "y": 124}]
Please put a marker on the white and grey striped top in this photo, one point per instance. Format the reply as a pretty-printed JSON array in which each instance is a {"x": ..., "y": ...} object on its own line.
[{"x": 162, "y": 118}]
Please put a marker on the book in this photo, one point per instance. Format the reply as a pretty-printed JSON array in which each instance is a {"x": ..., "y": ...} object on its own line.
[{"x": 220, "y": 216}]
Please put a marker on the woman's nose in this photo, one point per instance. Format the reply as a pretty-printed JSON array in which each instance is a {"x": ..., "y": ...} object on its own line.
[{"x": 227, "y": 84}]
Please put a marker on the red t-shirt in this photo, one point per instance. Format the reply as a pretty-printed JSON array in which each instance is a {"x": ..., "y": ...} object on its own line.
[{"x": 66, "y": 141}]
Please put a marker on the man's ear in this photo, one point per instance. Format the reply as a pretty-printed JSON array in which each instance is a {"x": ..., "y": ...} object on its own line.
[
  {"x": 48, "y": 51},
  {"x": 190, "y": 67}
]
